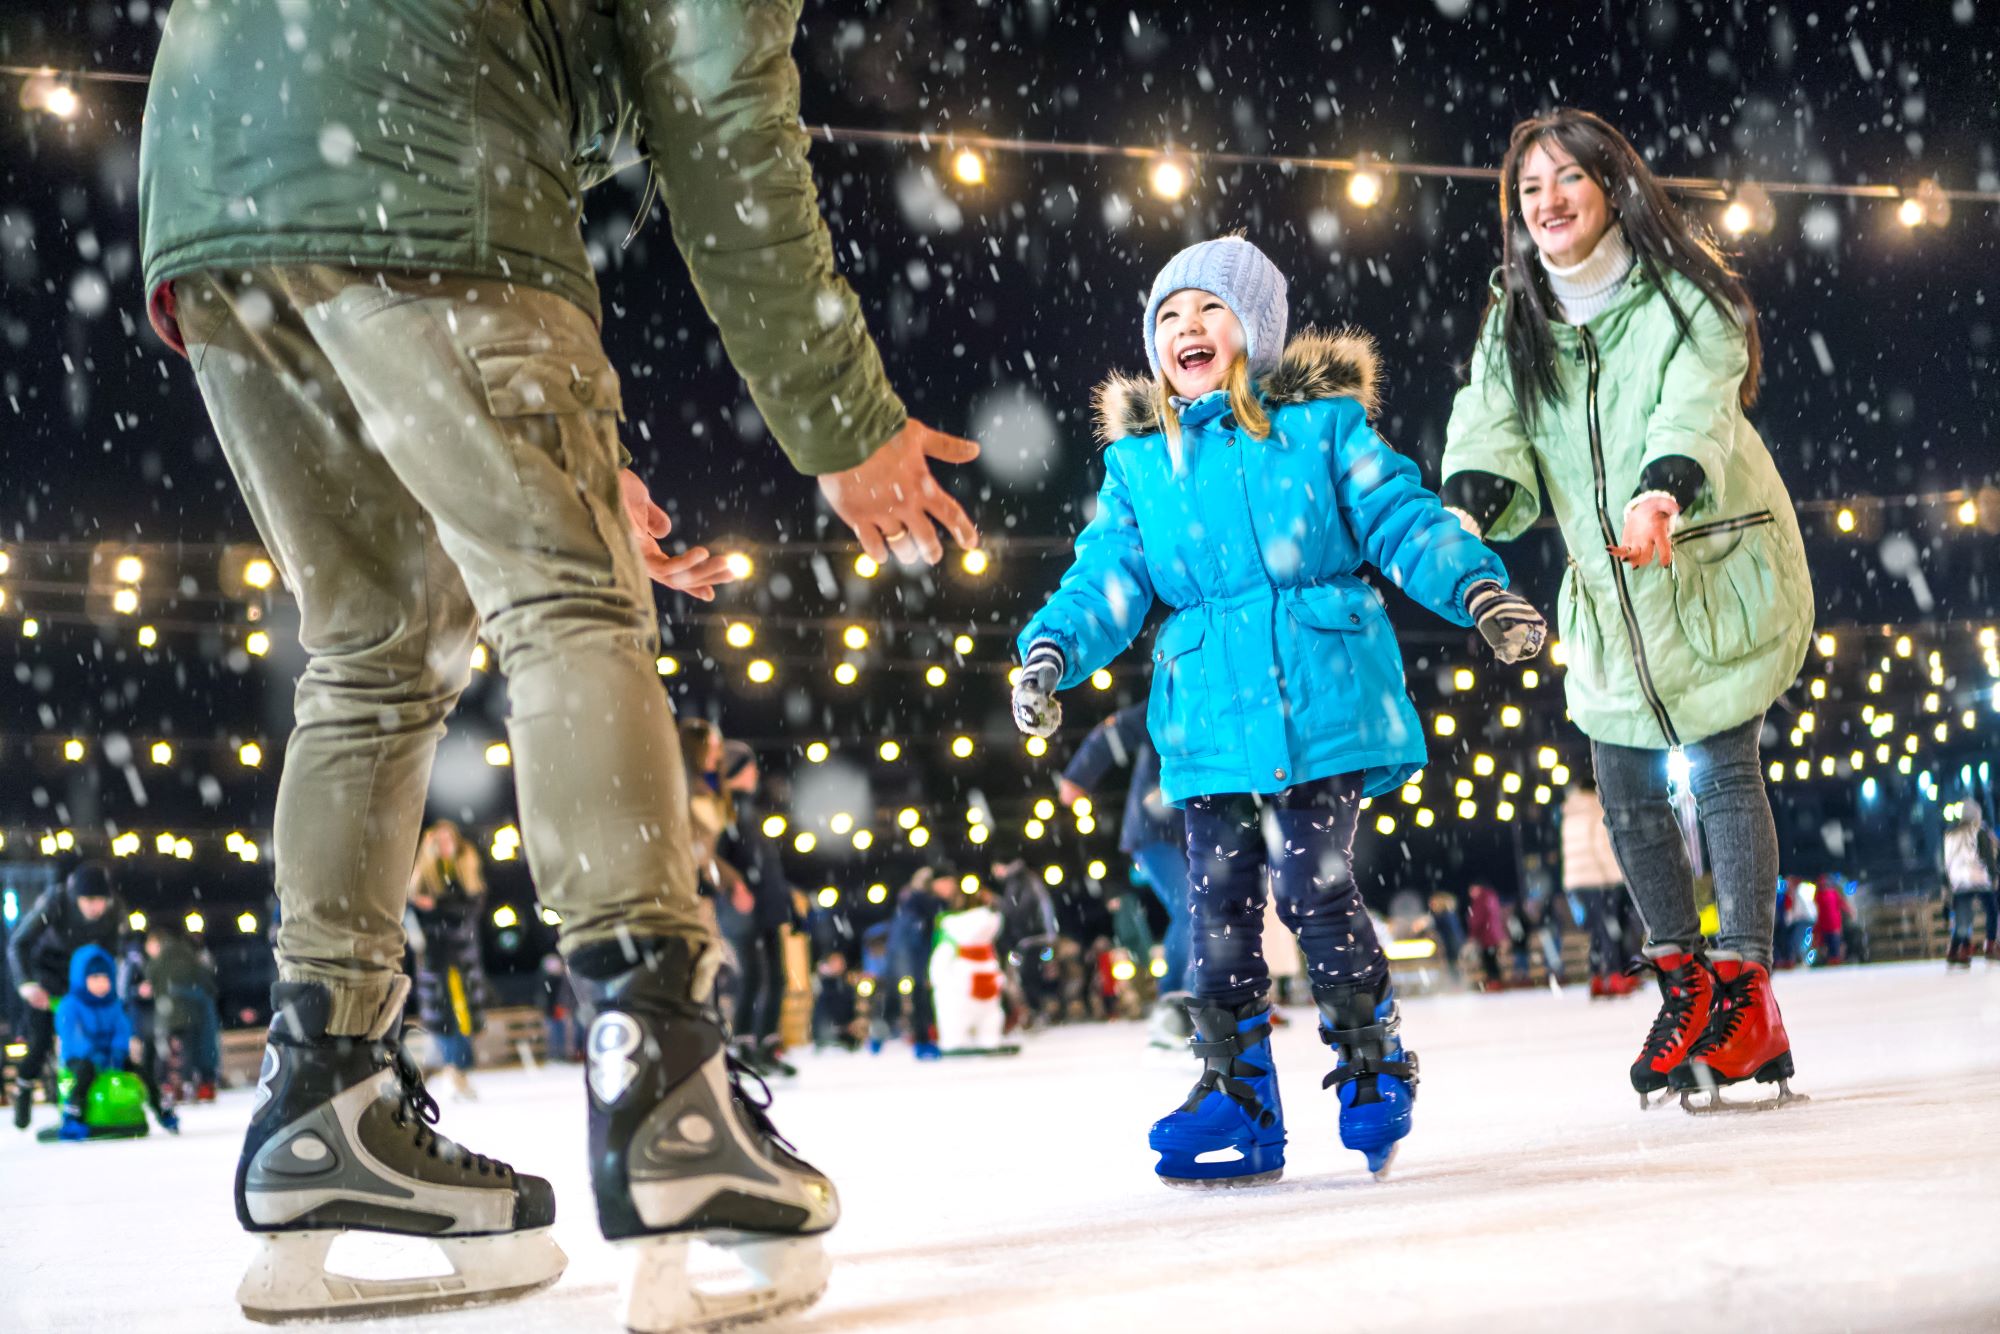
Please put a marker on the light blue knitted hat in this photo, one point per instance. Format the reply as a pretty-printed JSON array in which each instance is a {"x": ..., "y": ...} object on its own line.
[{"x": 1248, "y": 283}]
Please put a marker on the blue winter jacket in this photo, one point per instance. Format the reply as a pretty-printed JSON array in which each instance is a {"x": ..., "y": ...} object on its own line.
[
  {"x": 1278, "y": 665},
  {"x": 93, "y": 1028},
  {"x": 1122, "y": 740}
]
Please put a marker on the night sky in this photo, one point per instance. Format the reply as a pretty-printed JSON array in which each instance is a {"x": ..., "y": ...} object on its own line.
[{"x": 1008, "y": 302}]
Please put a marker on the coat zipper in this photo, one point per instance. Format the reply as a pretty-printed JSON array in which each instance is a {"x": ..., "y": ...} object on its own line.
[{"x": 1611, "y": 539}]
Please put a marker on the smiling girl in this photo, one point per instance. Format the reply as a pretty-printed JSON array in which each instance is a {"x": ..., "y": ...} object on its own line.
[
  {"x": 1244, "y": 488},
  {"x": 1615, "y": 363}
]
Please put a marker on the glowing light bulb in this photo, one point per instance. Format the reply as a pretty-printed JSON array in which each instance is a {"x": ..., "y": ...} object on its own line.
[
  {"x": 855, "y": 637},
  {"x": 1364, "y": 189},
  {"x": 739, "y": 635},
  {"x": 890, "y": 751},
  {"x": 1169, "y": 179},
  {"x": 739, "y": 565},
  {"x": 968, "y": 167}
]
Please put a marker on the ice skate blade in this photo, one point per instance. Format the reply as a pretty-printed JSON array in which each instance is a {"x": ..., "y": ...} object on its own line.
[
  {"x": 288, "y": 1280},
  {"x": 1382, "y": 1173},
  {"x": 1716, "y": 1104},
  {"x": 788, "y": 1273},
  {"x": 1223, "y": 1183}
]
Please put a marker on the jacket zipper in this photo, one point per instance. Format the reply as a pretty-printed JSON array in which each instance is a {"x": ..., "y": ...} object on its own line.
[
  {"x": 1711, "y": 529},
  {"x": 1611, "y": 539}
]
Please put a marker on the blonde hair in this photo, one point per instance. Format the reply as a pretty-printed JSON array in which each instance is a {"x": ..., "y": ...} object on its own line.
[
  {"x": 1243, "y": 401},
  {"x": 433, "y": 867}
]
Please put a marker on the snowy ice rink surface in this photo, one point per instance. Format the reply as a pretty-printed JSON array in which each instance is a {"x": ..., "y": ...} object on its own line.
[{"x": 1017, "y": 1195}]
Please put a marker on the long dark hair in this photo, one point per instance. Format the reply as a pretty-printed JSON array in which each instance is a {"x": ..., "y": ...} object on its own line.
[{"x": 1661, "y": 237}]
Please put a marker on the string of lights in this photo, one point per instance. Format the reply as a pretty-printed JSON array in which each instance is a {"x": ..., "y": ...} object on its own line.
[{"x": 1172, "y": 171}]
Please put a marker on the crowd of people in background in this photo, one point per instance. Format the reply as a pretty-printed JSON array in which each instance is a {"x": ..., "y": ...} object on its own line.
[{"x": 1111, "y": 951}]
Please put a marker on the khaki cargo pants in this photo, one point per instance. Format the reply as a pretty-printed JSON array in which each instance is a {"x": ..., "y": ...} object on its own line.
[{"x": 423, "y": 458}]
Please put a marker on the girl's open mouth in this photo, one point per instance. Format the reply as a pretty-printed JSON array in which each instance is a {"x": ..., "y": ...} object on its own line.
[{"x": 1195, "y": 357}]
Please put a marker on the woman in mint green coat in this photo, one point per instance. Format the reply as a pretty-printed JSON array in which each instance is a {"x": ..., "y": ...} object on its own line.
[{"x": 1615, "y": 363}]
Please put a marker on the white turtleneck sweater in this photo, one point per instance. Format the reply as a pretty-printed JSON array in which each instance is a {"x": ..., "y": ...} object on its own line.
[{"x": 1586, "y": 287}]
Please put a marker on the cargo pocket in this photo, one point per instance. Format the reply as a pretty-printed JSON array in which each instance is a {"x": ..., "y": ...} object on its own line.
[
  {"x": 564, "y": 406},
  {"x": 1181, "y": 709},
  {"x": 1728, "y": 589}
]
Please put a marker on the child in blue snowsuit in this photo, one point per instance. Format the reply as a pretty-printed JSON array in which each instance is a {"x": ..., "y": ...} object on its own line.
[
  {"x": 94, "y": 1035},
  {"x": 1244, "y": 488}
]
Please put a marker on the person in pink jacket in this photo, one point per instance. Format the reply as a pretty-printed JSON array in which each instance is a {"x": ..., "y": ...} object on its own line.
[
  {"x": 1830, "y": 909},
  {"x": 1486, "y": 923}
]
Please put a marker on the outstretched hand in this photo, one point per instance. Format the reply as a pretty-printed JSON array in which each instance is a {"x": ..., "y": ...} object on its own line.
[
  {"x": 694, "y": 572},
  {"x": 1649, "y": 533},
  {"x": 892, "y": 502}
]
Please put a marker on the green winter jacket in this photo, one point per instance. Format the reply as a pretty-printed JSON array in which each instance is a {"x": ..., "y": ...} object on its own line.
[
  {"x": 458, "y": 136},
  {"x": 1657, "y": 657}
]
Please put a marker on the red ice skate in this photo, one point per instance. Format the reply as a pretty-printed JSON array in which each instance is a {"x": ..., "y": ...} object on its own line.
[
  {"x": 1687, "y": 996},
  {"x": 1745, "y": 1039},
  {"x": 1620, "y": 984}
]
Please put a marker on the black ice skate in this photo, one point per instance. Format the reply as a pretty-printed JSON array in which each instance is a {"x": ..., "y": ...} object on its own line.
[
  {"x": 680, "y": 1150},
  {"x": 340, "y": 1141}
]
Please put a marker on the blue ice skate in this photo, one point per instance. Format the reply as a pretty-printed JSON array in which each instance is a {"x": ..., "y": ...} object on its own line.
[
  {"x": 1231, "y": 1129},
  {"x": 1375, "y": 1077}
]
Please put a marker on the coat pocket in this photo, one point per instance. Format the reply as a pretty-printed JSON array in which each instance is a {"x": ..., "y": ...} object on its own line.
[
  {"x": 1729, "y": 596},
  {"x": 1181, "y": 710},
  {"x": 1581, "y": 635}
]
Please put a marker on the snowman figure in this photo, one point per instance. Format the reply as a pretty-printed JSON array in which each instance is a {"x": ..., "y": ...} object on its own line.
[{"x": 965, "y": 984}]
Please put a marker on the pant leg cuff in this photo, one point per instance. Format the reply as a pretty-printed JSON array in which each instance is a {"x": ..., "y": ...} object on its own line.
[{"x": 371, "y": 1007}]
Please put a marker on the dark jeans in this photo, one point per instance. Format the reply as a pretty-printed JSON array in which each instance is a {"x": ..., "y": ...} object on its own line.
[
  {"x": 1735, "y": 813},
  {"x": 1299, "y": 844},
  {"x": 1962, "y": 904},
  {"x": 892, "y": 1005},
  {"x": 1166, "y": 869},
  {"x": 760, "y": 982},
  {"x": 41, "y": 1030},
  {"x": 1609, "y": 918}
]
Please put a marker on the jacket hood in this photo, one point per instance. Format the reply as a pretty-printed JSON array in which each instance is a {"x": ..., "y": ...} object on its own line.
[
  {"x": 1316, "y": 365},
  {"x": 91, "y": 959}
]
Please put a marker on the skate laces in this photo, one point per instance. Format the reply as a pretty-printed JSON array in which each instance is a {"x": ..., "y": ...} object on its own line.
[
  {"x": 1676, "y": 1006},
  {"x": 1732, "y": 1000},
  {"x": 417, "y": 1111}
]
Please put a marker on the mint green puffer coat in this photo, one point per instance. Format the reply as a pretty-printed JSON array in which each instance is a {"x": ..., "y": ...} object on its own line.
[{"x": 1657, "y": 657}]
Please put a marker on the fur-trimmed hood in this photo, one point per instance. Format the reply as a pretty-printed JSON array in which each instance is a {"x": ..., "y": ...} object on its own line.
[{"x": 1316, "y": 365}]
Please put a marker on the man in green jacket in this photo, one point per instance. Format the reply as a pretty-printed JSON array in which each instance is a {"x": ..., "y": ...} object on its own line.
[{"x": 361, "y": 223}]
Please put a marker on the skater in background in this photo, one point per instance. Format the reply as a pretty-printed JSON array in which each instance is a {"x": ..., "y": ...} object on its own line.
[
  {"x": 563, "y": 1033},
  {"x": 907, "y": 996},
  {"x": 1970, "y": 852},
  {"x": 1595, "y": 884},
  {"x": 835, "y": 1005},
  {"x": 82, "y": 910},
  {"x": 181, "y": 983},
  {"x": 1615, "y": 363},
  {"x": 759, "y": 942},
  {"x": 367, "y": 235},
  {"x": 94, "y": 1037},
  {"x": 1800, "y": 916},
  {"x": 1153, "y": 833},
  {"x": 447, "y": 897},
  {"x": 1447, "y": 928},
  {"x": 1244, "y": 488},
  {"x": 1830, "y": 921},
  {"x": 1486, "y": 923},
  {"x": 1028, "y": 936}
]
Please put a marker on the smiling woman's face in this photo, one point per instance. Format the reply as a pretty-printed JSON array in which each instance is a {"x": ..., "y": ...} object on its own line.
[
  {"x": 1567, "y": 214},
  {"x": 1198, "y": 340}
]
